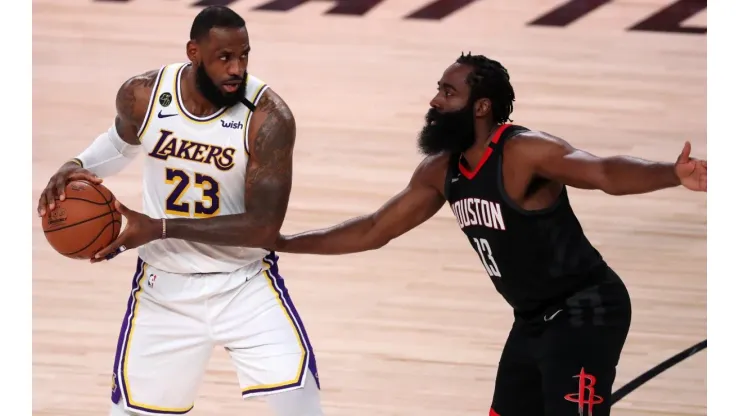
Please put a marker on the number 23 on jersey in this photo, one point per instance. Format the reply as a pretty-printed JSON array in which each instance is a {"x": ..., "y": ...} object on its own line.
[{"x": 207, "y": 206}]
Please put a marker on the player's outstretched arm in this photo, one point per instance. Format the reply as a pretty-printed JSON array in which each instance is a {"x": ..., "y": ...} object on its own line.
[
  {"x": 553, "y": 158},
  {"x": 418, "y": 202},
  {"x": 268, "y": 186},
  {"x": 112, "y": 150}
]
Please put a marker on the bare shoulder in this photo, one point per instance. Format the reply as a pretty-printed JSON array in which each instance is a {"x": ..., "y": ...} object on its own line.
[
  {"x": 132, "y": 102},
  {"x": 273, "y": 125},
  {"x": 534, "y": 138},
  {"x": 133, "y": 96},
  {"x": 534, "y": 145},
  {"x": 272, "y": 103},
  {"x": 432, "y": 171}
]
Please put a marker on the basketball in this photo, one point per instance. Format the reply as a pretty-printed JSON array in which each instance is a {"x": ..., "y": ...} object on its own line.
[{"x": 84, "y": 223}]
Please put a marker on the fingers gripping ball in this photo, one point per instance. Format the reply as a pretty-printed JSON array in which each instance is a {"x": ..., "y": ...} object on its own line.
[{"x": 85, "y": 222}]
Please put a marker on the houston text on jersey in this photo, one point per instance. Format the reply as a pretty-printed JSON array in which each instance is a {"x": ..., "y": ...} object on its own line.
[{"x": 478, "y": 212}]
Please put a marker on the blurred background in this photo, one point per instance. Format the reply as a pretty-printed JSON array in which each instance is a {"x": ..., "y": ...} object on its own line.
[{"x": 416, "y": 327}]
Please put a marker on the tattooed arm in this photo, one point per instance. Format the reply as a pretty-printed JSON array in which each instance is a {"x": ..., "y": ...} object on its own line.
[
  {"x": 113, "y": 149},
  {"x": 269, "y": 179},
  {"x": 268, "y": 185},
  {"x": 132, "y": 102}
]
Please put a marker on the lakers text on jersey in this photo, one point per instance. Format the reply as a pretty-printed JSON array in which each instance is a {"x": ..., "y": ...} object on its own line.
[
  {"x": 188, "y": 297},
  {"x": 195, "y": 168}
]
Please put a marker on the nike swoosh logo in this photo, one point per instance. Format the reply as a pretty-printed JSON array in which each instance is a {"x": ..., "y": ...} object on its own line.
[
  {"x": 553, "y": 315},
  {"x": 160, "y": 115}
]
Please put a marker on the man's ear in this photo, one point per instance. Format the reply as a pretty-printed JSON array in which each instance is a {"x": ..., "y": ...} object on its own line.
[
  {"x": 482, "y": 107},
  {"x": 193, "y": 51}
]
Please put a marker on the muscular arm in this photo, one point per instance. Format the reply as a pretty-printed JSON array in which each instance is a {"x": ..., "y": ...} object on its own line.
[
  {"x": 132, "y": 102},
  {"x": 109, "y": 153},
  {"x": 553, "y": 158},
  {"x": 418, "y": 202},
  {"x": 268, "y": 185}
]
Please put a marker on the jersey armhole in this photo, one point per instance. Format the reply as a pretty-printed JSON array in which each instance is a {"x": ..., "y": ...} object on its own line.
[
  {"x": 451, "y": 167},
  {"x": 514, "y": 131},
  {"x": 151, "y": 105},
  {"x": 254, "y": 101}
]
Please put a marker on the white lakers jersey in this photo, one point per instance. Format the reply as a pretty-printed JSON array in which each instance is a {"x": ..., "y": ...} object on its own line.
[{"x": 195, "y": 167}]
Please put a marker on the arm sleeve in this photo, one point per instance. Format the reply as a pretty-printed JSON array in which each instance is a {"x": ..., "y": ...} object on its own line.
[{"x": 108, "y": 154}]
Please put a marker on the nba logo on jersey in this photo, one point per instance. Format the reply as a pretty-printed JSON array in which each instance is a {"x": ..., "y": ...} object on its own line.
[{"x": 151, "y": 280}]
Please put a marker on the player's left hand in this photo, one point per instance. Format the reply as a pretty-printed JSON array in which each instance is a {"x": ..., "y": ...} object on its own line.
[
  {"x": 140, "y": 229},
  {"x": 692, "y": 172}
]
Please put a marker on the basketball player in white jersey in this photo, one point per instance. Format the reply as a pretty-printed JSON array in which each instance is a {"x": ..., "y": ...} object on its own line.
[{"x": 218, "y": 145}]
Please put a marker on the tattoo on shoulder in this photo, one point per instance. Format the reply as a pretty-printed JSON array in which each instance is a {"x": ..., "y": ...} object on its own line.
[
  {"x": 270, "y": 168},
  {"x": 277, "y": 132},
  {"x": 132, "y": 100}
]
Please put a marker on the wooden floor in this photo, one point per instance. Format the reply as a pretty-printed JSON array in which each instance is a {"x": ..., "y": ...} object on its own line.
[{"x": 417, "y": 327}]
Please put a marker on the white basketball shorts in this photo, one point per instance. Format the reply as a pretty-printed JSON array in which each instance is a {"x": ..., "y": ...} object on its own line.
[{"x": 173, "y": 321}]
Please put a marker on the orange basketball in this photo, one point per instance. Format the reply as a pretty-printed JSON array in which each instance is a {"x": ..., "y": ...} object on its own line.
[{"x": 84, "y": 223}]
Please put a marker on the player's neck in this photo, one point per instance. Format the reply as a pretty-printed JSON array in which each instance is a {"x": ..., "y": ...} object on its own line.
[
  {"x": 192, "y": 99},
  {"x": 483, "y": 134}
]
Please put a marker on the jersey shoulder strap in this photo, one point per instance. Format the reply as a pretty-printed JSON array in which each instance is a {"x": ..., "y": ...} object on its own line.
[
  {"x": 161, "y": 94},
  {"x": 506, "y": 132},
  {"x": 253, "y": 93},
  {"x": 255, "y": 88}
]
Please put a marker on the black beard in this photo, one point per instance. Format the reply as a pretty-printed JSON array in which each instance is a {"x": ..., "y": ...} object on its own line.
[
  {"x": 213, "y": 94},
  {"x": 453, "y": 132}
]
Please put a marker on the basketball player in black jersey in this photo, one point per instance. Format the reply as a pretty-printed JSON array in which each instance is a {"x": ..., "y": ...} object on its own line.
[{"x": 507, "y": 185}]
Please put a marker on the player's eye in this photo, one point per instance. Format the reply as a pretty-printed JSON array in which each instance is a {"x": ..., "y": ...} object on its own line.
[{"x": 445, "y": 91}]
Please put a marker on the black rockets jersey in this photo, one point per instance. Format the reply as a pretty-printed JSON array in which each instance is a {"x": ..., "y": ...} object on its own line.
[{"x": 534, "y": 258}]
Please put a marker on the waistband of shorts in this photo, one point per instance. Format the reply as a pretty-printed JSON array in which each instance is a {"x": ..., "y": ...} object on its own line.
[
  {"x": 598, "y": 275},
  {"x": 251, "y": 269}
]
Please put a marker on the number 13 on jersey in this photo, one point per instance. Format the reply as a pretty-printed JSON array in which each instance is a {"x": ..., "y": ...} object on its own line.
[
  {"x": 208, "y": 206},
  {"x": 486, "y": 256}
]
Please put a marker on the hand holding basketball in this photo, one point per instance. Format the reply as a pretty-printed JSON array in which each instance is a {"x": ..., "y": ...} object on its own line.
[
  {"x": 84, "y": 222},
  {"x": 69, "y": 172},
  {"x": 692, "y": 172},
  {"x": 140, "y": 229}
]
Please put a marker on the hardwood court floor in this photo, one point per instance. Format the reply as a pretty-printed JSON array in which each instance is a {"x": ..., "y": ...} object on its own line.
[{"x": 417, "y": 327}]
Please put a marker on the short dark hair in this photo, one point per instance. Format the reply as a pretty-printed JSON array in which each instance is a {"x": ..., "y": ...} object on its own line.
[
  {"x": 489, "y": 79},
  {"x": 214, "y": 16}
]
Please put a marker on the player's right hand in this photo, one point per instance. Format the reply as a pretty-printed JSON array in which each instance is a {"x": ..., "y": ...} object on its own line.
[{"x": 70, "y": 171}]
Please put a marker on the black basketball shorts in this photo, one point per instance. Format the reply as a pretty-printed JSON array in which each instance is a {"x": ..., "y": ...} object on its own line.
[{"x": 563, "y": 362}]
